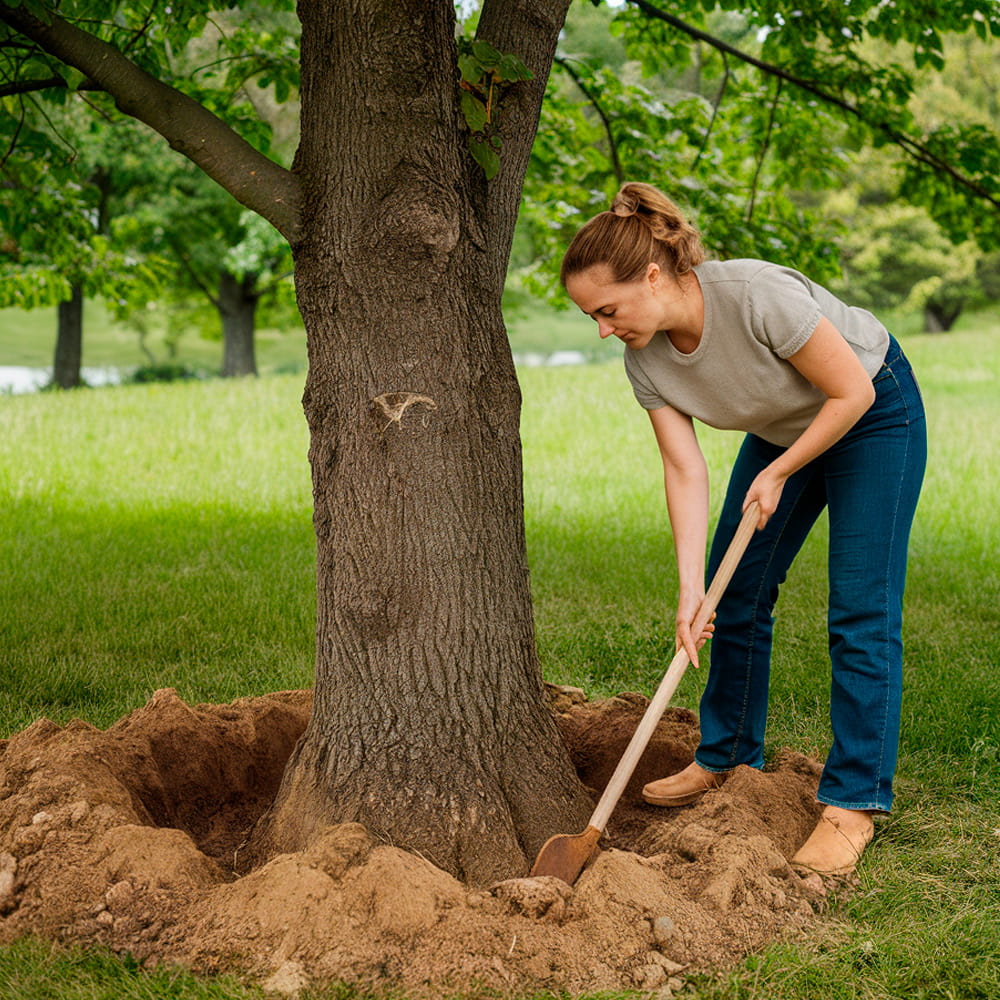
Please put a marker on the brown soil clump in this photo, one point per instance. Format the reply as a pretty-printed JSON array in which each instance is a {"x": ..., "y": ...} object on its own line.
[{"x": 129, "y": 838}]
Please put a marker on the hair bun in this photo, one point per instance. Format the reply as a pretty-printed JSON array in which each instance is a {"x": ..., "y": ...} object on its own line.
[{"x": 626, "y": 203}]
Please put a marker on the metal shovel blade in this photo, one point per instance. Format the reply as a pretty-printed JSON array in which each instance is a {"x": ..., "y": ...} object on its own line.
[{"x": 565, "y": 855}]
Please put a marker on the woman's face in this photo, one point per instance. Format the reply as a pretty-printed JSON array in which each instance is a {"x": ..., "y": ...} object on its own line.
[{"x": 632, "y": 311}]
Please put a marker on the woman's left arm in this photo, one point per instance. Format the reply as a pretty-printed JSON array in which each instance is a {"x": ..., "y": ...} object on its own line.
[{"x": 828, "y": 362}]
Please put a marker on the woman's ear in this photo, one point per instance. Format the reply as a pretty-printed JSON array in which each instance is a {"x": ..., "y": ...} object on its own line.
[{"x": 653, "y": 274}]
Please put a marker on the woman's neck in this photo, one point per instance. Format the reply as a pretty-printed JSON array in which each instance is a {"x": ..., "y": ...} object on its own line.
[{"x": 688, "y": 321}]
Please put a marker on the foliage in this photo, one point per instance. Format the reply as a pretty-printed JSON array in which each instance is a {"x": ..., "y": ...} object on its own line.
[
  {"x": 746, "y": 113},
  {"x": 87, "y": 197},
  {"x": 820, "y": 49},
  {"x": 162, "y": 373},
  {"x": 895, "y": 254},
  {"x": 59, "y": 212},
  {"x": 896, "y": 257},
  {"x": 485, "y": 73},
  {"x": 724, "y": 142}
]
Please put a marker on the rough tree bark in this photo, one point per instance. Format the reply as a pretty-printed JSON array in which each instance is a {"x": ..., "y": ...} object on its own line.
[
  {"x": 430, "y": 722},
  {"x": 237, "y": 304}
]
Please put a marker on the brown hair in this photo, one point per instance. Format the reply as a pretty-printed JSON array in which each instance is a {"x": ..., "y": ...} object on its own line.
[{"x": 643, "y": 225}]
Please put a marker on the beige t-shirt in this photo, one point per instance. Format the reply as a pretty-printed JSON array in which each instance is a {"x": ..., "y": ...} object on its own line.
[{"x": 756, "y": 315}]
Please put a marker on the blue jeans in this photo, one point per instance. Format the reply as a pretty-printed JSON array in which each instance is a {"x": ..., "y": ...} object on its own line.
[{"x": 870, "y": 481}]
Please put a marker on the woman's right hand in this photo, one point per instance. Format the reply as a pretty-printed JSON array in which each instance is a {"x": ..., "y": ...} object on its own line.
[{"x": 687, "y": 611}]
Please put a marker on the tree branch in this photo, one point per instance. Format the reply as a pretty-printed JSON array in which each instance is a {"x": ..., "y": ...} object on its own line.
[
  {"x": 605, "y": 121},
  {"x": 716, "y": 104},
  {"x": 530, "y": 29},
  {"x": 185, "y": 262},
  {"x": 250, "y": 177},
  {"x": 31, "y": 86},
  {"x": 751, "y": 204},
  {"x": 910, "y": 146}
]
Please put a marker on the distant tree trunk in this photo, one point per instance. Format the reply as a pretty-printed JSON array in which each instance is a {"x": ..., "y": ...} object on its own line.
[
  {"x": 940, "y": 317},
  {"x": 238, "y": 309},
  {"x": 430, "y": 722},
  {"x": 69, "y": 341}
]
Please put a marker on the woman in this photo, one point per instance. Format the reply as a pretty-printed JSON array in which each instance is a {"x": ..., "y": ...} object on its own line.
[{"x": 833, "y": 418}]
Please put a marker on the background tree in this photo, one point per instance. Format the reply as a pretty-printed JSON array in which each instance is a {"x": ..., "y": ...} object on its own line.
[
  {"x": 224, "y": 259},
  {"x": 62, "y": 212},
  {"x": 160, "y": 208}
]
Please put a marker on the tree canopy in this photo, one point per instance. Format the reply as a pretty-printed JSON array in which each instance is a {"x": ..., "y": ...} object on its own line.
[{"x": 748, "y": 112}]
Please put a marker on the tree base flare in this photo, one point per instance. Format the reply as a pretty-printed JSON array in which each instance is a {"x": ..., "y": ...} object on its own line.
[{"x": 129, "y": 838}]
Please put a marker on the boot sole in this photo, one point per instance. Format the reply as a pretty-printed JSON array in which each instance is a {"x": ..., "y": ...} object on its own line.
[{"x": 675, "y": 800}]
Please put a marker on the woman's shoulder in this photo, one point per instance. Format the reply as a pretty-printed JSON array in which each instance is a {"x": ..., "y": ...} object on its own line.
[
  {"x": 756, "y": 284},
  {"x": 746, "y": 269}
]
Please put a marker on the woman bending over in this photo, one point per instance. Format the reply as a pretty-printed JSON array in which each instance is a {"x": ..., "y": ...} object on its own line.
[{"x": 833, "y": 419}]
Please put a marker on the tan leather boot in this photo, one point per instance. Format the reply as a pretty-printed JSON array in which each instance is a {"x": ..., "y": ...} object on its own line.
[
  {"x": 835, "y": 845},
  {"x": 682, "y": 788}
]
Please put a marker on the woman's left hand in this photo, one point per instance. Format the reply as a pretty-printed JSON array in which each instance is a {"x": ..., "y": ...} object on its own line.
[{"x": 766, "y": 490}]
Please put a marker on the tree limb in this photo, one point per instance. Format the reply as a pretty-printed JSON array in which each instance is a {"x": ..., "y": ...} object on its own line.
[
  {"x": 30, "y": 86},
  {"x": 910, "y": 146},
  {"x": 763, "y": 151},
  {"x": 716, "y": 104},
  {"x": 185, "y": 262},
  {"x": 250, "y": 177},
  {"x": 566, "y": 64},
  {"x": 530, "y": 29}
]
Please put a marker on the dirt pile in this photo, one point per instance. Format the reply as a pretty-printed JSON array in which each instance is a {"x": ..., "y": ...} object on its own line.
[{"x": 128, "y": 837}]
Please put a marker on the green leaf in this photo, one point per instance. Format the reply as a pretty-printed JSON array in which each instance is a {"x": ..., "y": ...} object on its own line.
[
  {"x": 511, "y": 68},
  {"x": 474, "y": 111},
  {"x": 470, "y": 69},
  {"x": 485, "y": 155},
  {"x": 488, "y": 56}
]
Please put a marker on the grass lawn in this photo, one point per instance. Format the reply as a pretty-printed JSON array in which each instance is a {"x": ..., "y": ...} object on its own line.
[{"x": 160, "y": 536}]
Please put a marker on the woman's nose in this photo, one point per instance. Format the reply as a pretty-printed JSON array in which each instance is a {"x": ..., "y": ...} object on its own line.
[{"x": 604, "y": 329}]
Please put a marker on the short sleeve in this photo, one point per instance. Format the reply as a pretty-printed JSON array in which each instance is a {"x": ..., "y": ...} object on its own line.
[
  {"x": 642, "y": 386},
  {"x": 783, "y": 312}
]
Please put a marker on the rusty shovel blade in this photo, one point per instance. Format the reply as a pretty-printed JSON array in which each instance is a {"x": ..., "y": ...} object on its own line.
[{"x": 565, "y": 855}]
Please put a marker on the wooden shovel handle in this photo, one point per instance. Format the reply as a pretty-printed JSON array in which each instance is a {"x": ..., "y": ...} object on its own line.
[{"x": 615, "y": 787}]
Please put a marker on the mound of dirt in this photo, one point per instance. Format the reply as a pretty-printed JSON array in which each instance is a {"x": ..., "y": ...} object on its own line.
[{"x": 129, "y": 837}]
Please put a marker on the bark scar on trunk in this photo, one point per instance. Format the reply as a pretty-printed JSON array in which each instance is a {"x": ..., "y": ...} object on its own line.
[{"x": 395, "y": 404}]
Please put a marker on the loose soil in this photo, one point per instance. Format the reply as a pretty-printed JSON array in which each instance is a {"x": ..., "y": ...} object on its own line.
[{"x": 130, "y": 837}]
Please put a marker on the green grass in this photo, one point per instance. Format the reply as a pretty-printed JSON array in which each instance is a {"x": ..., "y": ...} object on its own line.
[
  {"x": 34, "y": 970},
  {"x": 160, "y": 536},
  {"x": 157, "y": 535}
]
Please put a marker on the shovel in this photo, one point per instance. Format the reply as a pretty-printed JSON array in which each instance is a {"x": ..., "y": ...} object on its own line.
[{"x": 565, "y": 855}]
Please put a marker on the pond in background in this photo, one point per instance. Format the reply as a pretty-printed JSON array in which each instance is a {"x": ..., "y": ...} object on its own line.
[{"x": 15, "y": 379}]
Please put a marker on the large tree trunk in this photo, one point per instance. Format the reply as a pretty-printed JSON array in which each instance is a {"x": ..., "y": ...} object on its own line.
[
  {"x": 430, "y": 723},
  {"x": 69, "y": 341},
  {"x": 238, "y": 309}
]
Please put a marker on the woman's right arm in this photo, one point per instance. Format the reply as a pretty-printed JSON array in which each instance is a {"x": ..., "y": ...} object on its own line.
[{"x": 685, "y": 478}]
